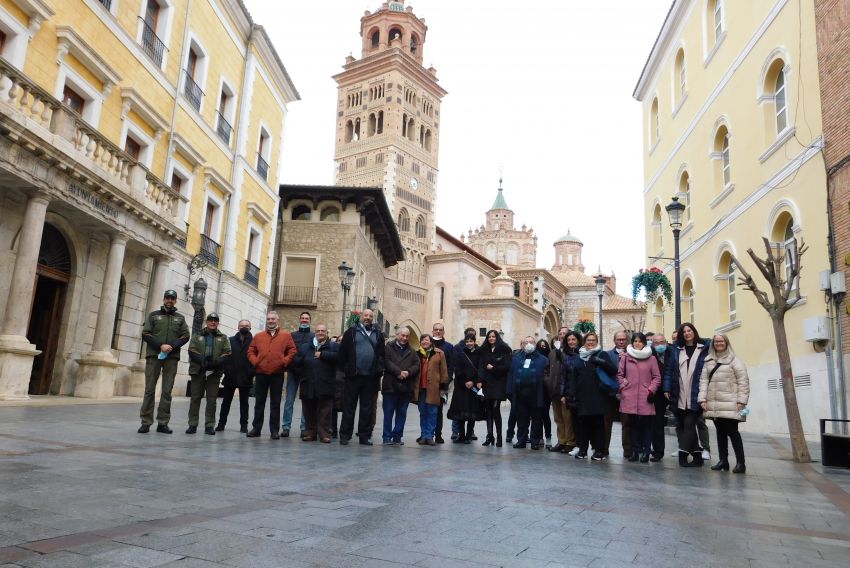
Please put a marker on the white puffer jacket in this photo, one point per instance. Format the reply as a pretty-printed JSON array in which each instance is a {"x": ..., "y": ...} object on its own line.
[{"x": 728, "y": 387}]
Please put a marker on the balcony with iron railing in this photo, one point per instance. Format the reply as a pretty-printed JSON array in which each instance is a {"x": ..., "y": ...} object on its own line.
[
  {"x": 210, "y": 251},
  {"x": 223, "y": 128},
  {"x": 192, "y": 91},
  {"x": 262, "y": 167},
  {"x": 252, "y": 274},
  {"x": 297, "y": 295},
  {"x": 65, "y": 136},
  {"x": 153, "y": 46}
]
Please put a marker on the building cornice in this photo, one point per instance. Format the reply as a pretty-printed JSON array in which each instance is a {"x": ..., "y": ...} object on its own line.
[
  {"x": 675, "y": 17},
  {"x": 464, "y": 257},
  {"x": 502, "y": 302},
  {"x": 274, "y": 64},
  {"x": 463, "y": 246},
  {"x": 390, "y": 60}
]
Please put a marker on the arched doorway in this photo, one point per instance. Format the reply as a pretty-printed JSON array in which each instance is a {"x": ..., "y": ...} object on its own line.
[
  {"x": 51, "y": 283},
  {"x": 551, "y": 322}
]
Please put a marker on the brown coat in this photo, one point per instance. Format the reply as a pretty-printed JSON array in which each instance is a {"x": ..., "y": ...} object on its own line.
[
  {"x": 436, "y": 379},
  {"x": 271, "y": 355}
]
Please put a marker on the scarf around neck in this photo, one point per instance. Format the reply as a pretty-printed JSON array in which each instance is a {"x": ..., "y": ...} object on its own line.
[
  {"x": 639, "y": 354},
  {"x": 586, "y": 354}
]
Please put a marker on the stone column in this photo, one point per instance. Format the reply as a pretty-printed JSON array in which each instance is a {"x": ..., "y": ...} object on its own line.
[
  {"x": 96, "y": 375},
  {"x": 16, "y": 352},
  {"x": 159, "y": 271}
]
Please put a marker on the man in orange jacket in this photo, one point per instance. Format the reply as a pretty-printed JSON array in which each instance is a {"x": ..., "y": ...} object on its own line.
[{"x": 270, "y": 352}]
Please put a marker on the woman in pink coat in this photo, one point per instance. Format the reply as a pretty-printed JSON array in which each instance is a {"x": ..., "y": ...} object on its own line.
[{"x": 639, "y": 379}]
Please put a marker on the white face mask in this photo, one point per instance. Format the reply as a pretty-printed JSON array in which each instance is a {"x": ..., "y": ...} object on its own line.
[
  {"x": 529, "y": 348},
  {"x": 556, "y": 344}
]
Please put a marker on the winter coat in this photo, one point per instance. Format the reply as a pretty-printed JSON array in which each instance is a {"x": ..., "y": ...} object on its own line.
[
  {"x": 271, "y": 355},
  {"x": 348, "y": 355},
  {"x": 529, "y": 379},
  {"x": 436, "y": 377},
  {"x": 317, "y": 376},
  {"x": 300, "y": 337},
  {"x": 583, "y": 386},
  {"x": 568, "y": 362},
  {"x": 199, "y": 361},
  {"x": 165, "y": 326},
  {"x": 495, "y": 379},
  {"x": 238, "y": 371},
  {"x": 466, "y": 405},
  {"x": 639, "y": 379},
  {"x": 727, "y": 387},
  {"x": 397, "y": 360},
  {"x": 673, "y": 368},
  {"x": 449, "y": 352},
  {"x": 553, "y": 374}
]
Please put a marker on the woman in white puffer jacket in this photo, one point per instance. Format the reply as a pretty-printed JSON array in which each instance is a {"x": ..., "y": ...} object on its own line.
[{"x": 724, "y": 389}]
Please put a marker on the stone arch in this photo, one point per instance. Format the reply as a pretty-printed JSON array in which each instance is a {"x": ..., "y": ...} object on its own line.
[{"x": 782, "y": 207}]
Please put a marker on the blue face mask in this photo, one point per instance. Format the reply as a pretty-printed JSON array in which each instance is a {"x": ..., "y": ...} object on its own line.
[{"x": 661, "y": 348}]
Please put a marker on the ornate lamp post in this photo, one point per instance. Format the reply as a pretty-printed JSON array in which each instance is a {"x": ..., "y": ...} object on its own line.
[
  {"x": 346, "y": 279},
  {"x": 199, "y": 297},
  {"x": 675, "y": 211},
  {"x": 600, "y": 291}
]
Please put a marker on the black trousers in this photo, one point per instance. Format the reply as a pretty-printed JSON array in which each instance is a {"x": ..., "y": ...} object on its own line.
[
  {"x": 727, "y": 429},
  {"x": 362, "y": 389},
  {"x": 688, "y": 439},
  {"x": 493, "y": 414},
  {"x": 438, "y": 431},
  {"x": 265, "y": 385},
  {"x": 226, "y": 401},
  {"x": 591, "y": 430},
  {"x": 658, "y": 424},
  {"x": 641, "y": 433},
  {"x": 527, "y": 412}
]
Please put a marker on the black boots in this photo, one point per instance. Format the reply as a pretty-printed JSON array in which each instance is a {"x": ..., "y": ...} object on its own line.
[
  {"x": 740, "y": 467},
  {"x": 683, "y": 459},
  {"x": 697, "y": 460},
  {"x": 721, "y": 465}
]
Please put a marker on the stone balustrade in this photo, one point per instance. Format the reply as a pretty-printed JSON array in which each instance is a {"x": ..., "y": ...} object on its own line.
[{"x": 25, "y": 97}]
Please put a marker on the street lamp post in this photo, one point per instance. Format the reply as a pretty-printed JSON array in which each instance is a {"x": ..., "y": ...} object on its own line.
[
  {"x": 346, "y": 279},
  {"x": 675, "y": 211},
  {"x": 601, "y": 281}
]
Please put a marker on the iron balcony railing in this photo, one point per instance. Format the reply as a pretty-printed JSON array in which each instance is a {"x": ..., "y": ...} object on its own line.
[
  {"x": 223, "y": 128},
  {"x": 193, "y": 91},
  {"x": 252, "y": 274},
  {"x": 262, "y": 167},
  {"x": 210, "y": 251},
  {"x": 151, "y": 43},
  {"x": 297, "y": 295}
]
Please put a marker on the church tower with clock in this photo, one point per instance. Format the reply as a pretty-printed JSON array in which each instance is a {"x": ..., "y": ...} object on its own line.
[{"x": 387, "y": 135}]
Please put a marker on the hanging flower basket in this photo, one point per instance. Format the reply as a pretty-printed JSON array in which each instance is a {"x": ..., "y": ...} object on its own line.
[
  {"x": 653, "y": 282},
  {"x": 352, "y": 319},
  {"x": 584, "y": 326}
]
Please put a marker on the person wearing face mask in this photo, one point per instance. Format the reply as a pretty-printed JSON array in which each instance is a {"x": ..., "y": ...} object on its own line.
[
  {"x": 316, "y": 363},
  {"x": 238, "y": 374},
  {"x": 639, "y": 380},
  {"x": 528, "y": 392},
  {"x": 661, "y": 351},
  {"x": 301, "y": 336},
  {"x": 621, "y": 342},
  {"x": 583, "y": 390},
  {"x": 544, "y": 348}
]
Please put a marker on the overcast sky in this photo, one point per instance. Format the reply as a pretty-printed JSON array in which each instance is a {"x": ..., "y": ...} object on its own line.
[{"x": 540, "y": 91}]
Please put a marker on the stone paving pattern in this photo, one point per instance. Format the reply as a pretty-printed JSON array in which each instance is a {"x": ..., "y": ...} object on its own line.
[{"x": 80, "y": 488}]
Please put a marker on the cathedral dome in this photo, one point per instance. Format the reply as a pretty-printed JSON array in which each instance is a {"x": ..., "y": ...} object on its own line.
[{"x": 569, "y": 238}]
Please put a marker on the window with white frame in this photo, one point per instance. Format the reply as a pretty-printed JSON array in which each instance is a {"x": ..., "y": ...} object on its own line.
[
  {"x": 717, "y": 19},
  {"x": 722, "y": 157},
  {"x": 14, "y": 39},
  {"x": 780, "y": 104},
  {"x": 680, "y": 85},
  {"x": 263, "y": 153},
  {"x": 154, "y": 27},
  {"x": 137, "y": 144},
  {"x": 685, "y": 195},
  {"x": 79, "y": 95},
  {"x": 654, "y": 123},
  {"x": 195, "y": 73},
  {"x": 225, "y": 112}
]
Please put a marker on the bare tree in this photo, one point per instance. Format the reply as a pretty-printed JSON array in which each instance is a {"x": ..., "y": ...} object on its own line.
[{"x": 781, "y": 277}]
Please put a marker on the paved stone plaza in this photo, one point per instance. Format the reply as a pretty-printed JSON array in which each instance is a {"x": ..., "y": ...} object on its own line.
[{"x": 80, "y": 488}]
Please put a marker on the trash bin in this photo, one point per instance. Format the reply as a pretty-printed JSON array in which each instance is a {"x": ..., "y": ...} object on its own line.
[{"x": 835, "y": 448}]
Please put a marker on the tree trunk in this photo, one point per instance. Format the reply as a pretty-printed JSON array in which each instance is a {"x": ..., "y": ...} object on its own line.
[{"x": 799, "y": 447}]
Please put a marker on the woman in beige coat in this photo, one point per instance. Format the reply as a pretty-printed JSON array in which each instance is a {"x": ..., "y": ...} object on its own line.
[{"x": 724, "y": 390}]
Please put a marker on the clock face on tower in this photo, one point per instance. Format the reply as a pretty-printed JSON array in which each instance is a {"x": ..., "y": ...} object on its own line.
[{"x": 413, "y": 184}]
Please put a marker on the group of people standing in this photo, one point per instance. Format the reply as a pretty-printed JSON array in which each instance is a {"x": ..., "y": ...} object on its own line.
[{"x": 586, "y": 387}]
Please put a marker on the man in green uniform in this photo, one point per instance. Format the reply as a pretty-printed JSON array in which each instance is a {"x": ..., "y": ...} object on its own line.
[
  {"x": 165, "y": 332},
  {"x": 208, "y": 352}
]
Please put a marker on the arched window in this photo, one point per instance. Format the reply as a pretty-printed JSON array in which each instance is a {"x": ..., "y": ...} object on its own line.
[
  {"x": 657, "y": 242},
  {"x": 654, "y": 124},
  {"x": 379, "y": 129},
  {"x": 512, "y": 254},
  {"x": 490, "y": 251},
  {"x": 726, "y": 279},
  {"x": 376, "y": 39},
  {"x": 329, "y": 214},
  {"x": 403, "y": 221},
  {"x": 688, "y": 300},
  {"x": 715, "y": 22},
  {"x": 301, "y": 213},
  {"x": 420, "y": 227},
  {"x": 722, "y": 158},
  {"x": 373, "y": 125},
  {"x": 685, "y": 195},
  {"x": 775, "y": 98},
  {"x": 680, "y": 85},
  {"x": 780, "y": 104},
  {"x": 428, "y": 139},
  {"x": 783, "y": 234},
  {"x": 396, "y": 33},
  {"x": 659, "y": 315},
  {"x": 414, "y": 44},
  {"x": 349, "y": 131}
]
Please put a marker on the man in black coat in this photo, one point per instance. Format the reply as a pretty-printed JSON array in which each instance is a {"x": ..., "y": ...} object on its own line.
[
  {"x": 238, "y": 374},
  {"x": 316, "y": 364},
  {"x": 439, "y": 341},
  {"x": 361, "y": 356}
]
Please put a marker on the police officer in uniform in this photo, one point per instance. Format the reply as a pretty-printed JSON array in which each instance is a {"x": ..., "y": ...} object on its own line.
[
  {"x": 165, "y": 332},
  {"x": 208, "y": 352}
]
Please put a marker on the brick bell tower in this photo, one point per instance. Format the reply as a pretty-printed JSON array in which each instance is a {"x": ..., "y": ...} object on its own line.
[{"x": 387, "y": 135}]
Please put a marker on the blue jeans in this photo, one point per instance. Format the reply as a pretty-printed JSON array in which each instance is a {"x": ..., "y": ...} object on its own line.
[
  {"x": 395, "y": 404},
  {"x": 427, "y": 417},
  {"x": 289, "y": 404}
]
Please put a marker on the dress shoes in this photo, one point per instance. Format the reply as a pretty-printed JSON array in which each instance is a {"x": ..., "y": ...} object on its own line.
[
  {"x": 219, "y": 427},
  {"x": 144, "y": 429},
  {"x": 192, "y": 430},
  {"x": 164, "y": 429},
  {"x": 275, "y": 436},
  {"x": 366, "y": 442},
  {"x": 343, "y": 441},
  {"x": 739, "y": 468},
  {"x": 284, "y": 433},
  {"x": 439, "y": 440},
  {"x": 520, "y": 445},
  {"x": 721, "y": 465},
  {"x": 326, "y": 440},
  {"x": 254, "y": 433},
  {"x": 209, "y": 431},
  {"x": 243, "y": 429}
]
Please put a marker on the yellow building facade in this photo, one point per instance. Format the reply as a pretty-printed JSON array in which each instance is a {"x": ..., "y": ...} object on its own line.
[
  {"x": 732, "y": 126},
  {"x": 141, "y": 153}
]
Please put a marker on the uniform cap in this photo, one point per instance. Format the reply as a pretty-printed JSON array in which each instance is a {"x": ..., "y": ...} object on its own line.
[
  {"x": 212, "y": 316},
  {"x": 170, "y": 294}
]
